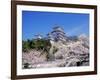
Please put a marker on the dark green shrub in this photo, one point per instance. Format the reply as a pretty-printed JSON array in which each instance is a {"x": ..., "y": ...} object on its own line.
[
  {"x": 26, "y": 65},
  {"x": 38, "y": 44}
]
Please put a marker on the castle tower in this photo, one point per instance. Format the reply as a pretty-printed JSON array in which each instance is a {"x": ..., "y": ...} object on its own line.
[{"x": 58, "y": 34}]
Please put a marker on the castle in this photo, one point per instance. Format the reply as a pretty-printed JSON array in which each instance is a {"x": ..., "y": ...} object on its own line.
[{"x": 57, "y": 34}]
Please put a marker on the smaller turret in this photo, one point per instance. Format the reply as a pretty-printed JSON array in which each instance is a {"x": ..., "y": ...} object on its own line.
[{"x": 38, "y": 36}]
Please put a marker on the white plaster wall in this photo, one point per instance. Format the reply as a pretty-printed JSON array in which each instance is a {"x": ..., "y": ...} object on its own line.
[{"x": 5, "y": 36}]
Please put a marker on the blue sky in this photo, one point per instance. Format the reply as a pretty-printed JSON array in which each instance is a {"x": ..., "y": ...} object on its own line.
[{"x": 43, "y": 22}]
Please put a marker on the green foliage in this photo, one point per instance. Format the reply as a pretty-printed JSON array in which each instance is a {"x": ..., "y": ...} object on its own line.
[
  {"x": 25, "y": 46},
  {"x": 37, "y": 44}
]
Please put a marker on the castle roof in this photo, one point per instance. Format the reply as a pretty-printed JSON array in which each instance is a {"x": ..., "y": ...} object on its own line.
[{"x": 58, "y": 29}]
